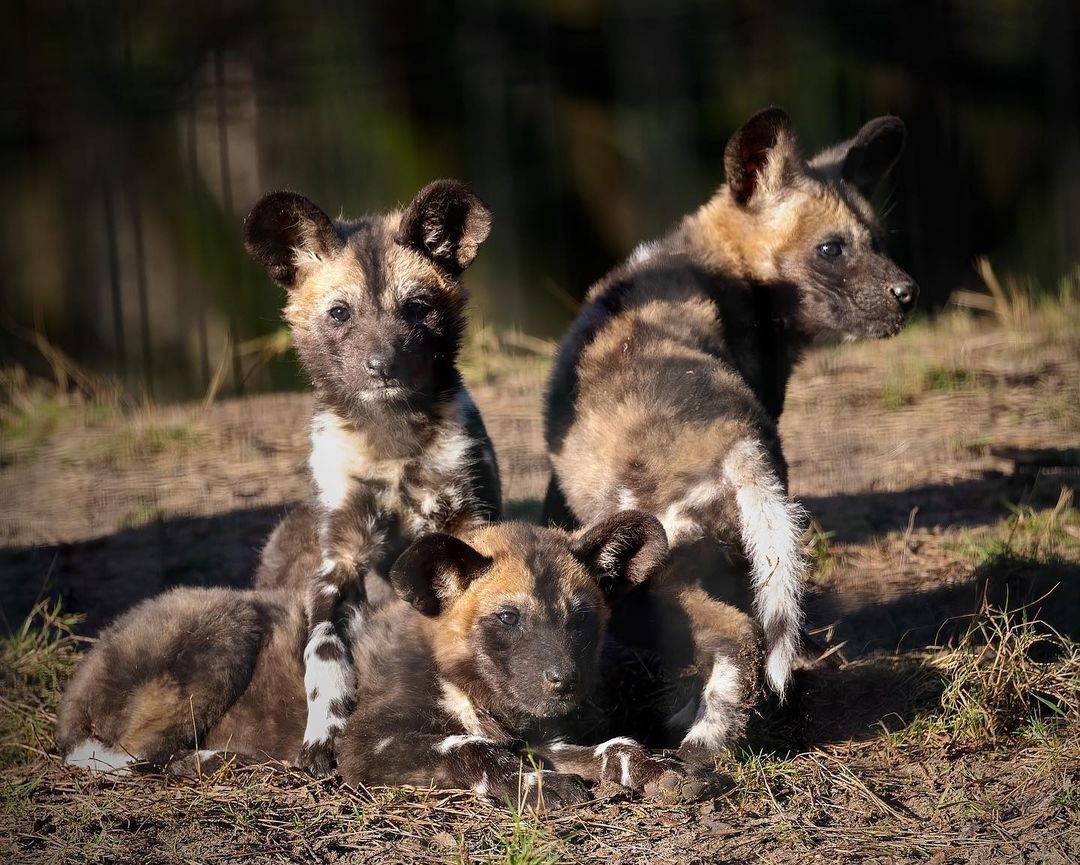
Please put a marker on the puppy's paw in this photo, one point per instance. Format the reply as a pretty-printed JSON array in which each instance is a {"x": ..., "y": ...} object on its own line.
[
  {"x": 544, "y": 790},
  {"x": 697, "y": 755},
  {"x": 317, "y": 758},
  {"x": 679, "y": 784}
]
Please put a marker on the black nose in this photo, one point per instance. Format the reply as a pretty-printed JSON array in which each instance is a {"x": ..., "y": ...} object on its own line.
[
  {"x": 560, "y": 679},
  {"x": 906, "y": 294},
  {"x": 379, "y": 367}
]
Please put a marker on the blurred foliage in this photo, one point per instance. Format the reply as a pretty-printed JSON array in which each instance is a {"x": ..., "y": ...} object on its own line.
[{"x": 136, "y": 136}]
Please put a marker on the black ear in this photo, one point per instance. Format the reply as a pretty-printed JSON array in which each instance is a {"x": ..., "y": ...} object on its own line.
[
  {"x": 622, "y": 549},
  {"x": 434, "y": 571},
  {"x": 873, "y": 152},
  {"x": 763, "y": 154},
  {"x": 283, "y": 230},
  {"x": 863, "y": 161},
  {"x": 447, "y": 223}
]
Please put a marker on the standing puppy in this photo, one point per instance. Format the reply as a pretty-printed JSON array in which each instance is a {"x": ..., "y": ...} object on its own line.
[
  {"x": 666, "y": 392},
  {"x": 487, "y": 674},
  {"x": 376, "y": 308}
]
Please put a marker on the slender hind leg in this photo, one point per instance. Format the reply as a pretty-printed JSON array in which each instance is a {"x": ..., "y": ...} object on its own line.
[{"x": 723, "y": 673}]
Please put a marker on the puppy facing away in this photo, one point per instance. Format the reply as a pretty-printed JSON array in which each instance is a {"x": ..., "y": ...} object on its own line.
[
  {"x": 666, "y": 392},
  {"x": 488, "y": 673},
  {"x": 376, "y": 308}
]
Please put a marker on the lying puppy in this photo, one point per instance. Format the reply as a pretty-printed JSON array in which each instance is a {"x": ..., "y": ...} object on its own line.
[
  {"x": 376, "y": 309},
  {"x": 666, "y": 392},
  {"x": 489, "y": 673}
]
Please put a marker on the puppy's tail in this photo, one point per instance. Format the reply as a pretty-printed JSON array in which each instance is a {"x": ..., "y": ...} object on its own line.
[{"x": 771, "y": 526}]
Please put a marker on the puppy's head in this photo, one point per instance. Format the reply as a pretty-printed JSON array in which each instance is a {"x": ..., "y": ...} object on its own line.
[
  {"x": 376, "y": 306},
  {"x": 522, "y": 610},
  {"x": 810, "y": 225}
]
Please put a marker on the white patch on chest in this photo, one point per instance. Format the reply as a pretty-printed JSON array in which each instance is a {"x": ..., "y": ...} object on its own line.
[{"x": 339, "y": 456}]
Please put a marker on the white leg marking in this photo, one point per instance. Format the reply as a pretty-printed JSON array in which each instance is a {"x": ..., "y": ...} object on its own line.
[
  {"x": 451, "y": 742},
  {"x": 383, "y": 744},
  {"x": 97, "y": 757},
  {"x": 624, "y": 777},
  {"x": 602, "y": 749},
  {"x": 481, "y": 787},
  {"x": 719, "y": 703},
  {"x": 618, "y": 740},
  {"x": 770, "y": 525},
  {"x": 328, "y": 681}
]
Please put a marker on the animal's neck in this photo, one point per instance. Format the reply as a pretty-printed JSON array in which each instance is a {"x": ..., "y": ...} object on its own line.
[
  {"x": 758, "y": 308},
  {"x": 396, "y": 429},
  {"x": 725, "y": 237}
]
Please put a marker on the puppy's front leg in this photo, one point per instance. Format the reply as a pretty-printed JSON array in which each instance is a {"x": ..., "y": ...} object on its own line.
[
  {"x": 485, "y": 766},
  {"x": 627, "y": 763},
  {"x": 336, "y": 604}
]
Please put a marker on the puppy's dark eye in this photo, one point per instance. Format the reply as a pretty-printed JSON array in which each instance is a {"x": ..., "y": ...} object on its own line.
[
  {"x": 416, "y": 307},
  {"x": 340, "y": 314},
  {"x": 508, "y": 617},
  {"x": 830, "y": 249},
  {"x": 581, "y": 618}
]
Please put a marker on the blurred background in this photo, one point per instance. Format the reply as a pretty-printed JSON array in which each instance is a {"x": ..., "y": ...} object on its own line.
[{"x": 135, "y": 136}]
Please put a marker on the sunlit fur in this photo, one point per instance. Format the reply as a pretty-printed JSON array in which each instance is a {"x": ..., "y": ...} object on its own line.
[
  {"x": 666, "y": 392},
  {"x": 439, "y": 701},
  {"x": 376, "y": 309}
]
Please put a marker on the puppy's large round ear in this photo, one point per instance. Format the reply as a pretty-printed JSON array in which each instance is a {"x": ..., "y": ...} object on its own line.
[
  {"x": 433, "y": 572},
  {"x": 446, "y": 222},
  {"x": 623, "y": 550},
  {"x": 284, "y": 231},
  {"x": 873, "y": 153},
  {"x": 863, "y": 161},
  {"x": 762, "y": 155}
]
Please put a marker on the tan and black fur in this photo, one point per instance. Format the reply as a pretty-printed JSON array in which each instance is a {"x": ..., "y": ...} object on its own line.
[
  {"x": 493, "y": 660},
  {"x": 666, "y": 392},
  {"x": 376, "y": 309}
]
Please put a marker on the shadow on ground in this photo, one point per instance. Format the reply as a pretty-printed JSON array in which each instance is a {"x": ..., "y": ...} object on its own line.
[
  {"x": 102, "y": 577},
  {"x": 1036, "y": 479},
  {"x": 882, "y": 684}
]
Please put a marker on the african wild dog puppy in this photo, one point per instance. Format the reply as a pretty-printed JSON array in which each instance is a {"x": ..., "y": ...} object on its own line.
[
  {"x": 666, "y": 392},
  {"x": 376, "y": 308},
  {"x": 491, "y": 661}
]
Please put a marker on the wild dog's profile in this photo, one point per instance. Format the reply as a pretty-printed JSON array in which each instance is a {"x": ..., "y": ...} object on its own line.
[
  {"x": 376, "y": 311},
  {"x": 488, "y": 673},
  {"x": 666, "y": 392}
]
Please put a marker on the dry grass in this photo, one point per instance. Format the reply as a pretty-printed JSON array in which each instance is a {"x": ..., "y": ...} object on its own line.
[
  {"x": 35, "y": 662},
  {"x": 1007, "y": 673}
]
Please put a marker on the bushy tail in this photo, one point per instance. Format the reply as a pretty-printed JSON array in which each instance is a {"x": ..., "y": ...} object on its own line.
[{"x": 771, "y": 526}]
